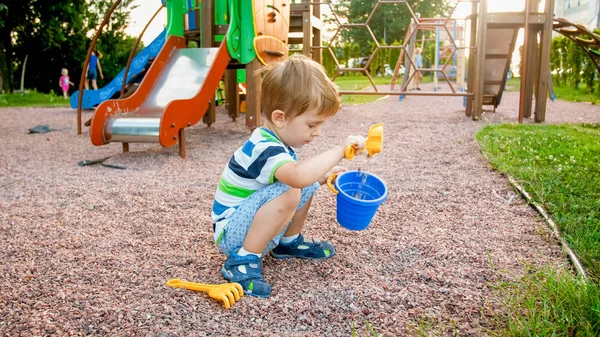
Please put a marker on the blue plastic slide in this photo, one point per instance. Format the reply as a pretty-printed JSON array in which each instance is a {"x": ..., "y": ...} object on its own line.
[{"x": 91, "y": 98}]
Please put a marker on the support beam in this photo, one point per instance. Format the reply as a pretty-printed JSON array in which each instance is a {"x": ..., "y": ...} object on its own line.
[
  {"x": 479, "y": 61},
  {"x": 182, "y": 143},
  {"x": 232, "y": 94},
  {"x": 208, "y": 34},
  {"x": 307, "y": 30},
  {"x": 544, "y": 68},
  {"x": 252, "y": 95},
  {"x": 472, "y": 57}
]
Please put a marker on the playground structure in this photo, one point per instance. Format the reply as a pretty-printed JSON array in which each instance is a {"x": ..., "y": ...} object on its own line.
[
  {"x": 179, "y": 87},
  {"x": 450, "y": 61},
  {"x": 492, "y": 41}
]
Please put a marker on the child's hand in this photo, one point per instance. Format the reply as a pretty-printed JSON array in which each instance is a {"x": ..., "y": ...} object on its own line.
[
  {"x": 358, "y": 142},
  {"x": 335, "y": 169}
]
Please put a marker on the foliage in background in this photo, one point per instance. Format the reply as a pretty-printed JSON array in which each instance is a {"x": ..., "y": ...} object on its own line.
[
  {"x": 571, "y": 66},
  {"x": 55, "y": 35}
]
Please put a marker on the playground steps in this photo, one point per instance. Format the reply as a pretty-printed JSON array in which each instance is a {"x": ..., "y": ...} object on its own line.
[{"x": 501, "y": 38}]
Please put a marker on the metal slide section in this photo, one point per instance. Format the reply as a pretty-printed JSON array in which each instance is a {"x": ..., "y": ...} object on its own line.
[
  {"x": 500, "y": 44},
  {"x": 174, "y": 94},
  {"x": 184, "y": 74},
  {"x": 91, "y": 98}
]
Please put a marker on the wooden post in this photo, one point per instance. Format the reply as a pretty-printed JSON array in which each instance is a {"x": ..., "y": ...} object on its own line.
[
  {"x": 208, "y": 38},
  {"x": 182, "y": 143},
  {"x": 472, "y": 59},
  {"x": 125, "y": 147},
  {"x": 524, "y": 58},
  {"x": 252, "y": 95},
  {"x": 544, "y": 70},
  {"x": 479, "y": 61},
  {"x": 317, "y": 54},
  {"x": 232, "y": 94},
  {"x": 307, "y": 29},
  {"x": 532, "y": 69}
]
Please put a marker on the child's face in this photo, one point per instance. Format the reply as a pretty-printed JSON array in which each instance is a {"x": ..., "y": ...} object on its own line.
[{"x": 302, "y": 129}]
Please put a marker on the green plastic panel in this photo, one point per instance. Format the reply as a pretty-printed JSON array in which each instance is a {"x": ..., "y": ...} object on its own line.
[
  {"x": 241, "y": 75},
  {"x": 175, "y": 11},
  {"x": 221, "y": 16},
  {"x": 240, "y": 36}
]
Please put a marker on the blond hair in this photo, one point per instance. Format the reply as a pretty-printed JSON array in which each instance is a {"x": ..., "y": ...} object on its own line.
[
  {"x": 297, "y": 85},
  {"x": 64, "y": 72}
]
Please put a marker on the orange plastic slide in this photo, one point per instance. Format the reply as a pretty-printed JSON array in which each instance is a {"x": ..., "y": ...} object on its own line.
[{"x": 174, "y": 94}]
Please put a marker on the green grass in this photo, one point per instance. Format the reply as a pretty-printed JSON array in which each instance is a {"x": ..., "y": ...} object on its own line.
[
  {"x": 359, "y": 82},
  {"x": 548, "y": 302},
  {"x": 559, "y": 165},
  {"x": 579, "y": 94},
  {"x": 32, "y": 99},
  {"x": 567, "y": 93}
]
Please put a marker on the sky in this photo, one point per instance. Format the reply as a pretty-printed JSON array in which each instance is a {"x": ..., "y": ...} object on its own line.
[{"x": 140, "y": 17}]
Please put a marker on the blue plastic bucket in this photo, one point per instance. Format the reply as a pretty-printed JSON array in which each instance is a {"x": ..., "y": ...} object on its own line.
[{"x": 358, "y": 198}]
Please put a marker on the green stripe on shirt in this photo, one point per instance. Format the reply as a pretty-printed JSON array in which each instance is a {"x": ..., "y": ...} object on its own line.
[
  {"x": 233, "y": 190},
  {"x": 269, "y": 136}
]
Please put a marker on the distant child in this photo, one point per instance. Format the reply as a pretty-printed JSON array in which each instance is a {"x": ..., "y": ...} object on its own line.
[
  {"x": 418, "y": 65},
  {"x": 93, "y": 69},
  {"x": 64, "y": 82},
  {"x": 265, "y": 192}
]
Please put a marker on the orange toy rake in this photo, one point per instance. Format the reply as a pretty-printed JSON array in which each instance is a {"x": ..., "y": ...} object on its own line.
[{"x": 226, "y": 292}]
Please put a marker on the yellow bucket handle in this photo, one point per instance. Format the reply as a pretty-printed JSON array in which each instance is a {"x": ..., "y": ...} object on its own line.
[{"x": 330, "y": 180}]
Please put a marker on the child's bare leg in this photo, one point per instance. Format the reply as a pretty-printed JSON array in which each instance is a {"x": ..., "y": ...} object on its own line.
[
  {"x": 298, "y": 220},
  {"x": 86, "y": 84},
  {"x": 271, "y": 219},
  {"x": 293, "y": 244},
  {"x": 95, "y": 84}
]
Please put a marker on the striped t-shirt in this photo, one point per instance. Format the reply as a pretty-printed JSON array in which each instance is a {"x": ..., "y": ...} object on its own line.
[{"x": 251, "y": 168}]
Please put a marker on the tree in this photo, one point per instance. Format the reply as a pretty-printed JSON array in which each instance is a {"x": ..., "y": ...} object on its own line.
[{"x": 54, "y": 35}]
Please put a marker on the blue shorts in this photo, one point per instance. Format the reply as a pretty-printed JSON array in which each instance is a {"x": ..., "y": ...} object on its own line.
[
  {"x": 239, "y": 223},
  {"x": 92, "y": 74}
]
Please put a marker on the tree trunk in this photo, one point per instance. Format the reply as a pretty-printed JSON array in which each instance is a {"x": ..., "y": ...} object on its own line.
[{"x": 6, "y": 68}]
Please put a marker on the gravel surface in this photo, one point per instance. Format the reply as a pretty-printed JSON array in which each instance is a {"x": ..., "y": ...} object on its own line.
[{"x": 87, "y": 250}]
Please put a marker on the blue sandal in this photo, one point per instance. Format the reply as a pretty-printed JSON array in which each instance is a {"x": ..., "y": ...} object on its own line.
[
  {"x": 247, "y": 271},
  {"x": 314, "y": 250}
]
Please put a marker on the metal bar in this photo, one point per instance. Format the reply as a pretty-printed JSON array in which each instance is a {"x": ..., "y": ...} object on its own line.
[
  {"x": 405, "y": 93},
  {"x": 87, "y": 62},
  {"x": 134, "y": 48}
]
